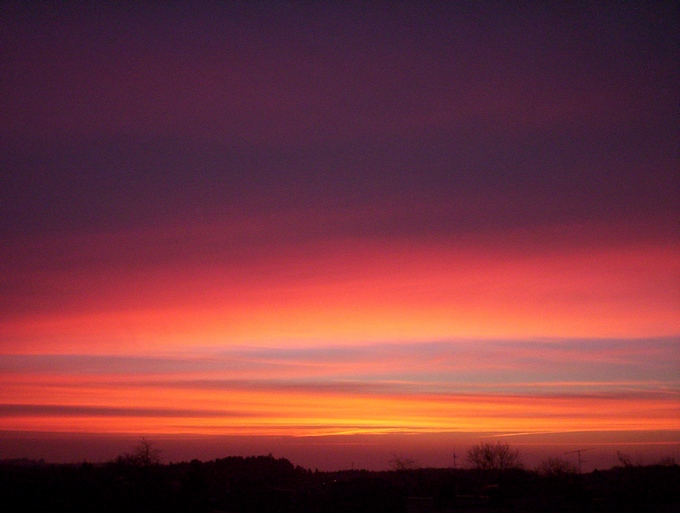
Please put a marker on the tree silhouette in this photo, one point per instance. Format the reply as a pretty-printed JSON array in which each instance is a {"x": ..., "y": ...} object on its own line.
[
  {"x": 145, "y": 454},
  {"x": 487, "y": 456},
  {"x": 400, "y": 464},
  {"x": 557, "y": 467}
]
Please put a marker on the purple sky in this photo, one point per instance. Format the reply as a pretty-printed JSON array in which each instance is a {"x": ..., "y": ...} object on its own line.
[{"x": 289, "y": 204}]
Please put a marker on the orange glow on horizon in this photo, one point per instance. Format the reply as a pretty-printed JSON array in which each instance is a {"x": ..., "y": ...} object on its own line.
[
  {"x": 127, "y": 408},
  {"x": 348, "y": 339}
]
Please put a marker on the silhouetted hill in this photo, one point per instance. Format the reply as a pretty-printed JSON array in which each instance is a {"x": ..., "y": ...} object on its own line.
[{"x": 266, "y": 484}]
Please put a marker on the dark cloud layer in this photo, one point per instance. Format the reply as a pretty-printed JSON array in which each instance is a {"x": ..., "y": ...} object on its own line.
[{"x": 380, "y": 121}]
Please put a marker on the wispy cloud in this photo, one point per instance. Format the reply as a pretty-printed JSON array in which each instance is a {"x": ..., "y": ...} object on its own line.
[{"x": 453, "y": 386}]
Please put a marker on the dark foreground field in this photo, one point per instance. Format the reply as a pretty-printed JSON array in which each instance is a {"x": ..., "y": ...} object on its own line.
[{"x": 266, "y": 484}]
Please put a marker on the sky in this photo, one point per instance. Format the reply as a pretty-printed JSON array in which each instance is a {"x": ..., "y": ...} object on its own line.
[{"x": 340, "y": 232}]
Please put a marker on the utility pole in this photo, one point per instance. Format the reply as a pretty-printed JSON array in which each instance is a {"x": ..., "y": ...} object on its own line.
[
  {"x": 578, "y": 451},
  {"x": 454, "y": 459}
]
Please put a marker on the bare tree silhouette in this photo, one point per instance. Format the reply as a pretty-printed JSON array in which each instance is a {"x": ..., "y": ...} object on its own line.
[
  {"x": 557, "y": 467},
  {"x": 398, "y": 463},
  {"x": 144, "y": 454},
  {"x": 499, "y": 456}
]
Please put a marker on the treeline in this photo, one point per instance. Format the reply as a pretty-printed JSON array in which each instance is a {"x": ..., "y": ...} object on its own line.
[{"x": 267, "y": 484}]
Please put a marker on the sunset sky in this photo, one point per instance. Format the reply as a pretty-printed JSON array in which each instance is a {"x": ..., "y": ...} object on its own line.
[{"x": 339, "y": 231}]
